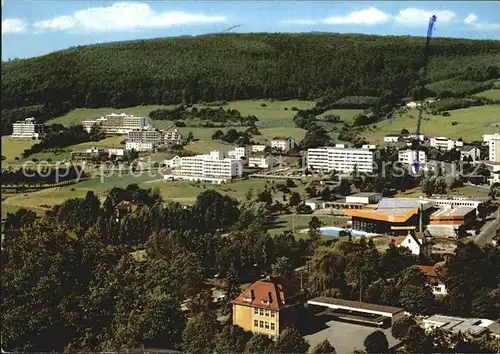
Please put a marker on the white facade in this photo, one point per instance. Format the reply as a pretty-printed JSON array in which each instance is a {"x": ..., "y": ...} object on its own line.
[
  {"x": 363, "y": 198},
  {"x": 117, "y": 123},
  {"x": 174, "y": 162},
  {"x": 340, "y": 159},
  {"x": 494, "y": 168},
  {"x": 173, "y": 137},
  {"x": 138, "y": 146},
  {"x": 409, "y": 156},
  {"x": 258, "y": 148},
  {"x": 239, "y": 152},
  {"x": 493, "y": 141},
  {"x": 473, "y": 152},
  {"x": 475, "y": 327},
  {"x": 26, "y": 129},
  {"x": 415, "y": 245},
  {"x": 260, "y": 161},
  {"x": 116, "y": 152},
  {"x": 282, "y": 143},
  {"x": 212, "y": 165},
  {"x": 392, "y": 138},
  {"x": 444, "y": 143}
]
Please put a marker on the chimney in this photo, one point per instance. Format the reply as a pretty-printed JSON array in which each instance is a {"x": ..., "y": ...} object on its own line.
[
  {"x": 252, "y": 294},
  {"x": 270, "y": 297}
]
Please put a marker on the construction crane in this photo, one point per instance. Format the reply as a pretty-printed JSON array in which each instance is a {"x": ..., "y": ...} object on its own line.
[{"x": 423, "y": 74}]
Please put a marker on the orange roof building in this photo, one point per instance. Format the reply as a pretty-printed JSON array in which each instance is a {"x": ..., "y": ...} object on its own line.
[
  {"x": 434, "y": 278},
  {"x": 268, "y": 306}
]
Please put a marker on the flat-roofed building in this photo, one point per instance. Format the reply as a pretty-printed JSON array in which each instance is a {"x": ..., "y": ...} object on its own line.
[
  {"x": 282, "y": 143},
  {"x": 27, "y": 129},
  {"x": 212, "y": 167},
  {"x": 341, "y": 159},
  {"x": 459, "y": 201},
  {"x": 473, "y": 327},
  {"x": 239, "y": 152},
  {"x": 143, "y": 140},
  {"x": 258, "y": 148},
  {"x": 173, "y": 137},
  {"x": 408, "y": 156},
  {"x": 268, "y": 307},
  {"x": 493, "y": 141},
  {"x": 360, "y": 312},
  {"x": 469, "y": 152},
  {"x": 363, "y": 198},
  {"x": 444, "y": 143},
  {"x": 260, "y": 160},
  {"x": 392, "y": 138},
  {"x": 449, "y": 222}
]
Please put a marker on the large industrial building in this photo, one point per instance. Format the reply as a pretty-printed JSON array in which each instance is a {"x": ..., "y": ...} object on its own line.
[
  {"x": 341, "y": 159},
  {"x": 27, "y": 129}
]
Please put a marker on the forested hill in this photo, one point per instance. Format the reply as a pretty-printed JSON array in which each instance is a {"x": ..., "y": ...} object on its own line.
[{"x": 230, "y": 67}]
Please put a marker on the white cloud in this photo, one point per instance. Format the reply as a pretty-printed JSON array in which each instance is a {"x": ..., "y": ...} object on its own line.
[
  {"x": 13, "y": 25},
  {"x": 473, "y": 21},
  {"x": 123, "y": 16},
  {"x": 371, "y": 16},
  {"x": 417, "y": 17}
]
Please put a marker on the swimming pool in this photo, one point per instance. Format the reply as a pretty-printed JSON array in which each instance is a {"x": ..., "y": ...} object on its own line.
[{"x": 334, "y": 231}]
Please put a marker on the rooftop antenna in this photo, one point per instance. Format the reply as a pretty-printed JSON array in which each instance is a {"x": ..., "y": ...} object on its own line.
[{"x": 423, "y": 74}]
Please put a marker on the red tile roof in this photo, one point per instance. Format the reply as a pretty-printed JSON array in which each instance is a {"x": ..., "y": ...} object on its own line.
[
  {"x": 429, "y": 271},
  {"x": 273, "y": 293}
]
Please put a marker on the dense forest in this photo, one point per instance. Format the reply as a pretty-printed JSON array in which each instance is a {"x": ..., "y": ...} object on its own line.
[{"x": 235, "y": 66}]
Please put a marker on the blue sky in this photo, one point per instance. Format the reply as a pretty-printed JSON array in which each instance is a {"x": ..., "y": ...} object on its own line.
[{"x": 35, "y": 27}]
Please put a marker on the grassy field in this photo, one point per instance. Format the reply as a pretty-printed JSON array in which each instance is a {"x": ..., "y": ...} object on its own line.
[
  {"x": 493, "y": 94},
  {"x": 346, "y": 115},
  {"x": 80, "y": 114},
  {"x": 12, "y": 148},
  {"x": 109, "y": 142},
  {"x": 469, "y": 191},
  {"x": 472, "y": 122},
  {"x": 201, "y": 147}
]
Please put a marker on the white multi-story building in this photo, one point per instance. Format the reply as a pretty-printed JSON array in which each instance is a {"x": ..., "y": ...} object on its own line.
[
  {"x": 27, "y": 129},
  {"x": 117, "y": 123},
  {"x": 212, "y": 167},
  {"x": 174, "y": 162},
  {"x": 341, "y": 159},
  {"x": 143, "y": 140},
  {"x": 116, "y": 152},
  {"x": 392, "y": 138},
  {"x": 282, "y": 143},
  {"x": 493, "y": 141},
  {"x": 260, "y": 160},
  {"x": 173, "y": 137},
  {"x": 239, "y": 152},
  {"x": 409, "y": 156},
  {"x": 470, "y": 151},
  {"x": 444, "y": 143},
  {"x": 258, "y": 148}
]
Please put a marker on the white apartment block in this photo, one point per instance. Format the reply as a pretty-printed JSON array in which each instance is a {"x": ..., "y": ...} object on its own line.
[
  {"x": 174, "y": 162},
  {"x": 116, "y": 152},
  {"x": 470, "y": 151},
  {"x": 409, "y": 156},
  {"x": 139, "y": 146},
  {"x": 145, "y": 136},
  {"x": 212, "y": 167},
  {"x": 27, "y": 129},
  {"x": 173, "y": 137},
  {"x": 282, "y": 143},
  {"x": 493, "y": 141},
  {"x": 392, "y": 138},
  {"x": 261, "y": 161},
  {"x": 340, "y": 159},
  {"x": 117, "y": 123},
  {"x": 444, "y": 143},
  {"x": 258, "y": 148},
  {"x": 239, "y": 152}
]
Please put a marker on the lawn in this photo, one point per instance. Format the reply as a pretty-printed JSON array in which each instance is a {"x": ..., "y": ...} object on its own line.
[
  {"x": 472, "y": 122},
  {"x": 12, "y": 148},
  {"x": 346, "y": 115},
  {"x": 109, "y": 142},
  {"x": 493, "y": 94},
  {"x": 202, "y": 147},
  {"x": 468, "y": 191},
  {"x": 80, "y": 114}
]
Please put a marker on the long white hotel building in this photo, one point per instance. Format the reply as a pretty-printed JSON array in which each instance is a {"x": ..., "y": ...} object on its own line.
[
  {"x": 26, "y": 129},
  {"x": 117, "y": 123},
  {"x": 143, "y": 140},
  {"x": 212, "y": 167},
  {"x": 341, "y": 159}
]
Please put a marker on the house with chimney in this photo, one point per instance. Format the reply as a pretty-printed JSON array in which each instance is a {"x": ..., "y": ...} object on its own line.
[{"x": 268, "y": 306}]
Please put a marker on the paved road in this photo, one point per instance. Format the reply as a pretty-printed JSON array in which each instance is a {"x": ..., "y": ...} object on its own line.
[{"x": 489, "y": 230}]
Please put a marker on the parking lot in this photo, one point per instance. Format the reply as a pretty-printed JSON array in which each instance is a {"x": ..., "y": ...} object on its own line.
[{"x": 346, "y": 337}]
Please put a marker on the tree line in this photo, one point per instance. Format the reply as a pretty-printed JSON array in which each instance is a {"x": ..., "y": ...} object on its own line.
[{"x": 234, "y": 67}]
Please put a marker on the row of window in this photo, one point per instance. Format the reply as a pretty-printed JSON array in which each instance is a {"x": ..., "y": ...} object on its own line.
[
  {"x": 263, "y": 312},
  {"x": 264, "y": 324}
]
